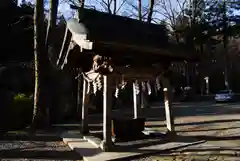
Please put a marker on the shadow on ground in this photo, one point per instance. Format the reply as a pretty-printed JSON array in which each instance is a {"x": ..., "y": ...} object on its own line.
[
  {"x": 194, "y": 109},
  {"x": 30, "y": 137},
  {"x": 195, "y": 153},
  {"x": 217, "y": 138},
  {"x": 35, "y": 146},
  {"x": 206, "y": 130},
  {"x": 196, "y": 123},
  {"x": 33, "y": 154},
  {"x": 157, "y": 113}
]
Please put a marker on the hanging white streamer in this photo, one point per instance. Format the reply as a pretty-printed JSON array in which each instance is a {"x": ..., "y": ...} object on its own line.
[
  {"x": 94, "y": 87},
  {"x": 136, "y": 87},
  {"x": 149, "y": 88},
  {"x": 88, "y": 88},
  {"x": 158, "y": 83},
  {"x": 97, "y": 84},
  {"x": 143, "y": 86},
  {"x": 116, "y": 92}
]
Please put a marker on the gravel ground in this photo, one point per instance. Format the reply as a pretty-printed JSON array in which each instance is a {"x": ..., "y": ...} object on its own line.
[
  {"x": 213, "y": 150},
  {"x": 35, "y": 148}
]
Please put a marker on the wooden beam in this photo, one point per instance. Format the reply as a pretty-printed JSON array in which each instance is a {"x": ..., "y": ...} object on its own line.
[
  {"x": 70, "y": 47},
  {"x": 64, "y": 49},
  {"x": 148, "y": 49},
  {"x": 129, "y": 73},
  {"x": 142, "y": 74}
]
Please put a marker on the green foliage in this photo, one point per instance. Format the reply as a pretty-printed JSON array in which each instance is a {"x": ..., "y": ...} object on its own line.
[
  {"x": 21, "y": 98},
  {"x": 209, "y": 19},
  {"x": 22, "y": 102},
  {"x": 17, "y": 113},
  {"x": 21, "y": 111},
  {"x": 222, "y": 15}
]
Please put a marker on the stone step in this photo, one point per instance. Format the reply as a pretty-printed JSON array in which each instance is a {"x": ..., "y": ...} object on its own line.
[{"x": 91, "y": 152}]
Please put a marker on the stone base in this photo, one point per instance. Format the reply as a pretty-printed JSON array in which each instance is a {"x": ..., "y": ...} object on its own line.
[{"x": 90, "y": 152}]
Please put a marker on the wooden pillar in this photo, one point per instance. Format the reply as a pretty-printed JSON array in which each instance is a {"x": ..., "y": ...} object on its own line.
[
  {"x": 107, "y": 104},
  {"x": 85, "y": 128},
  {"x": 207, "y": 85},
  {"x": 142, "y": 99},
  {"x": 136, "y": 99},
  {"x": 79, "y": 83},
  {"x": 143, "y": 89},
  {"x": 167, "y": 89},
  {"x": 187, "y": 73}
]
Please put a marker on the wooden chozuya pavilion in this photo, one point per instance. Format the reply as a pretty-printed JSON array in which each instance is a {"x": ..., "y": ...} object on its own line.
[{"x": 107, "y": 47}]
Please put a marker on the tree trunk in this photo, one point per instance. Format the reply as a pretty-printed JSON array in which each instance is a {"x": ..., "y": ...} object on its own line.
[
  {"x": 149, "y": 18},
  {"x": 114, "y": 7},
  {"x": 51, "y": 21},
  {"x": 140, "y": 10},
  {"x": 50, "y": 72},
  {"x": 225, "y": 44},
  {"x": 82, "y": 2},
  {"x": 39, "y": 110}
]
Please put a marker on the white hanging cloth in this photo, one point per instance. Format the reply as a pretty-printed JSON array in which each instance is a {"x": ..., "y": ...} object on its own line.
[
  {"x": 149, "y": 88},
  {"x": 136, "y": 87},
  {"x": 116, "y": 92},
  {"x": 88, "y": 88},
  {"x": 158, "y": 83},
  {"x": 143, "y": 86}
]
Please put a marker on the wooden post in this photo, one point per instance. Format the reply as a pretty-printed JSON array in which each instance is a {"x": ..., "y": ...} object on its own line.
[
  {"x": 85, "y": 108},
  {"x": 107, "y": 104},
  {"x": 143, "y": 91},
  {"x": 136, "y": 99},
  {"x": 167, "y": 89},
  {"x": 142, "y": 99},
  {"x": 79, "y": 96},
  {"x": 207, "y": 85}
]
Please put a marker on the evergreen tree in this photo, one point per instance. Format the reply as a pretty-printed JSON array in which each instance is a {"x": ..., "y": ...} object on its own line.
[{"x": 222, "y": 17}]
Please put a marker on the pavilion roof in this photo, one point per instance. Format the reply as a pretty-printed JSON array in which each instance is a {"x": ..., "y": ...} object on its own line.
[{"x": 121, "y": 37}]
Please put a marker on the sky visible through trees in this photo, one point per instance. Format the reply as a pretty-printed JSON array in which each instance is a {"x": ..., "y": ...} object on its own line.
[
  {"x": 128, "y": 8},
  {"x": 125, "y": 10}
]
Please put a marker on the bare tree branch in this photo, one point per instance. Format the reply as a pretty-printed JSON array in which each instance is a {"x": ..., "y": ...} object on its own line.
[
  {"x": 169, "y": 11},
  {"x": 121, "y": 5}
]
